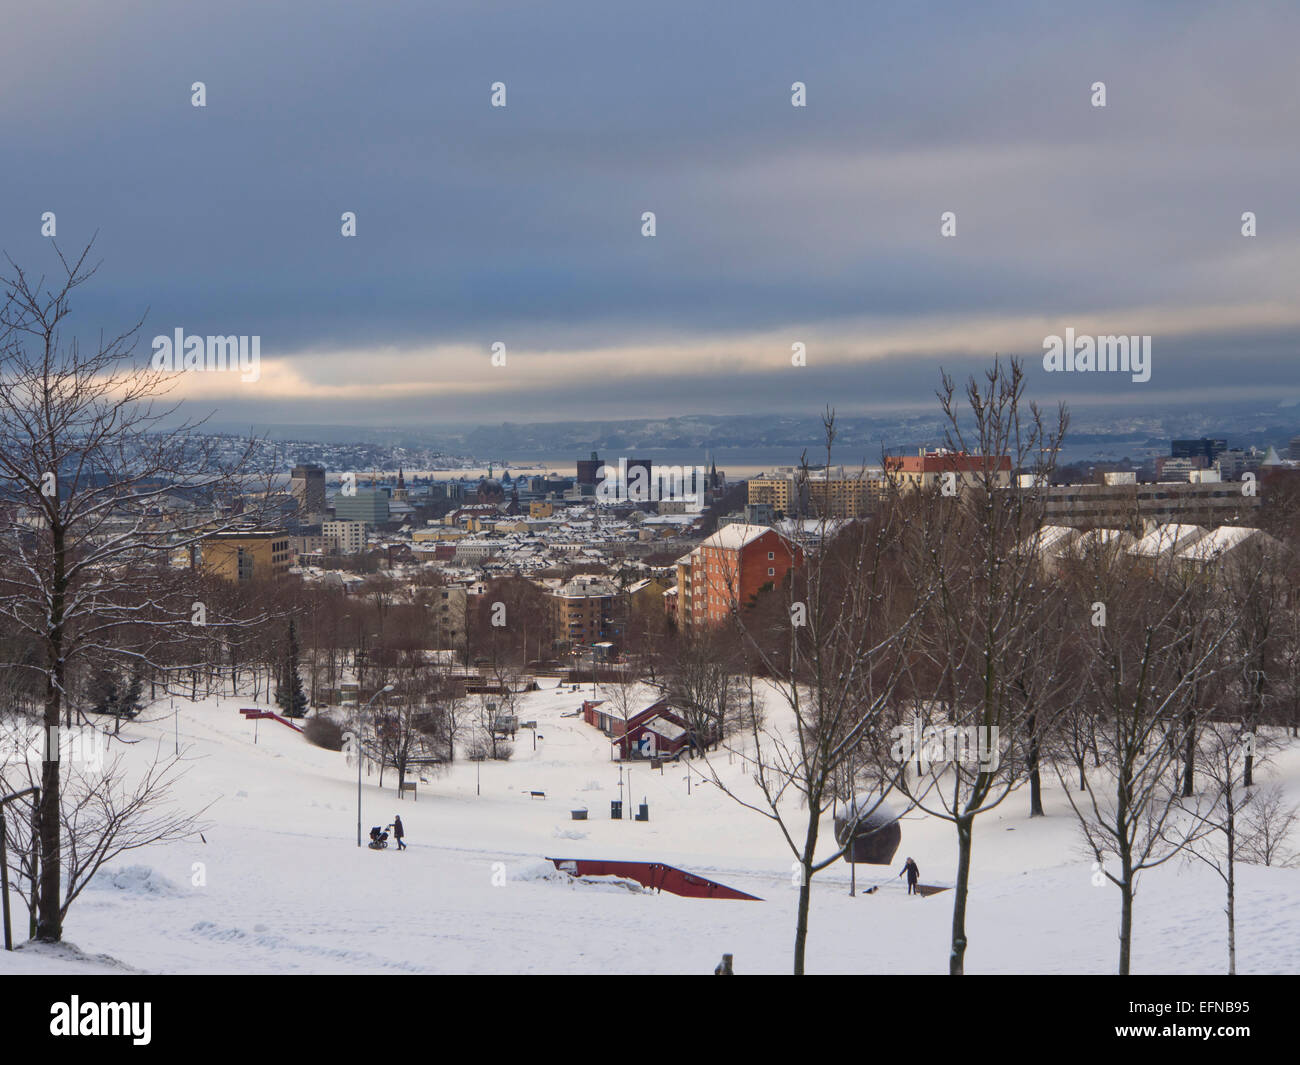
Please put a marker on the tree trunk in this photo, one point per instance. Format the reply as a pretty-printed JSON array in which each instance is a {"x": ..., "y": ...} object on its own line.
[
  {"x": 1125, "y": 919},
  {"x": 1035, "y": 778},
  {"x": 805, "y": 885},
  {"x": 801, "y": 920},
  {"x": 49, "y": 923},
  {"x": 957, "y": 958},
  {"x": 1232, "y": 889}
]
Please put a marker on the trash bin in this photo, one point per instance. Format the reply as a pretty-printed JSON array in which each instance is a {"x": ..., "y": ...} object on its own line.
[
  {"x": 616, "y": 809},
  {"x": 643, "y": 812},
  {"x": 580, "y": 815}
]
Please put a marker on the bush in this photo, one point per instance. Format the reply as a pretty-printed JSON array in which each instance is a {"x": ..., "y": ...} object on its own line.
[
  {"x": 324, "y": 732},
  {"x": 480, "y": 750}
]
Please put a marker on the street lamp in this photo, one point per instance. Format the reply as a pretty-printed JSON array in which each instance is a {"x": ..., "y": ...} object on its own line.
[{"x": 357, "y": 737}]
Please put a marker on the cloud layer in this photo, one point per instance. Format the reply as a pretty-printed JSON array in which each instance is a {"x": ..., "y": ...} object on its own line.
[{"x": 775, "y": 224}]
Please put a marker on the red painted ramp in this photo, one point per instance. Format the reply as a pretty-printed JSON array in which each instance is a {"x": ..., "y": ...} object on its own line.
[
  {"x": 254, "y": 714},
  {"x": 655, "y": 875}
]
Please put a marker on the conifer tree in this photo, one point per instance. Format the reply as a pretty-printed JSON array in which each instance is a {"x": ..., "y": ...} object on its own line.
[{"x": 289, "y": 694}]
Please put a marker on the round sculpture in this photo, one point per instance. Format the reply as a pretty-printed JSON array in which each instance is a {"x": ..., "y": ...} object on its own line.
[{"x": 876, "y": 829}]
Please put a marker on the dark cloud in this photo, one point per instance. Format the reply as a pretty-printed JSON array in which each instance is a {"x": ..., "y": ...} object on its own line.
[{"x": 775, "y": 223}]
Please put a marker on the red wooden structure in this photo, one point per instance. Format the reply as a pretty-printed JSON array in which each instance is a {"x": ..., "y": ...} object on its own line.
[
  {"x": 655, "y": 875},
  {"x": 253, "y": 713}
]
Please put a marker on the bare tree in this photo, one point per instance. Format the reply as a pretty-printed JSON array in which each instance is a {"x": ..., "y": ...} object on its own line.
[
  {"x": 841, "y": 659},
  {"x": 1155, "y": 639},
  {"x": 85, "y": 544},
  {"x": 408, "y": 733},
  {"x": 447, "y": 696},
  {"x": 1269, "y": 827},
  {"x": 106, "y": 810},
  {"x": 1219, "y": 834},
  {"x": 983, "y": 656},
  {"x": 704, "y": 688}
]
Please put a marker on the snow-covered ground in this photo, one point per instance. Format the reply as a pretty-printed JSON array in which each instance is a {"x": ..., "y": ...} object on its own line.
[{"x": 280, "y": 885}]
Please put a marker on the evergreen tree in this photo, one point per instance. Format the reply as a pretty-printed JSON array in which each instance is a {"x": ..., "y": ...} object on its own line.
[
  {"x": 104, "y": 692},
  {"x": 129, "y": 704},
  {"x": 289, "y": 694}
]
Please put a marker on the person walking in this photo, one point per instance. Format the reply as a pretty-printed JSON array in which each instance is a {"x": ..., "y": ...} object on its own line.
[
  {"x": 399, "y": 832},
  {"x": 913, "y": 875}
]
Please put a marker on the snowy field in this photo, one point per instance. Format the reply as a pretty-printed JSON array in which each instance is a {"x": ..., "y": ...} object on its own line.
[{"x": 287, "y": 890}]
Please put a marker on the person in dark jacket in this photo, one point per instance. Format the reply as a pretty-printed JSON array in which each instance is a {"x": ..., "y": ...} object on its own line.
[
  {"x": 913, "y": 875},
  {"x": 399, "y": 832}
]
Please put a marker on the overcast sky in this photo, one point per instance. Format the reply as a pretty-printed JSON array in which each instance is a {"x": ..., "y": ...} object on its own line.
[{"x": 775, "y": 224}]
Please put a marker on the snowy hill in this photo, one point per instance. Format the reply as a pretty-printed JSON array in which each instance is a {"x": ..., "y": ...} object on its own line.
[{"x": 280, "y": 885}]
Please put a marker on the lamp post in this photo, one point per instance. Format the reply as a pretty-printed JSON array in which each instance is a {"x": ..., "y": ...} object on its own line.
[{"x": 357, "y": 737}]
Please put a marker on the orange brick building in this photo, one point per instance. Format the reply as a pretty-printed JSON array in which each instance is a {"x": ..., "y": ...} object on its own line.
[{"x": 729, "y": 569}]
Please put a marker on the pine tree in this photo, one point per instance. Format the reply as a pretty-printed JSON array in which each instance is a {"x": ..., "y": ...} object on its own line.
[
  {"x": 289, "y": 694},
  {"x": 104, "y": 692},
  {"x": 129, "y": 704}
]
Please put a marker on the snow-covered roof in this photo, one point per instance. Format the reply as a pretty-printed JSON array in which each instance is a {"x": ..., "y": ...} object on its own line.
[
  {"x": 1166, "y": 538},
  {"x": 1049, "y": 540},
  {"x": 1096, "y": 538},
  {"x": 735, "y": 536},
  {"x": 661, "y": 726},
  {"x": 1218, "y": 542}
]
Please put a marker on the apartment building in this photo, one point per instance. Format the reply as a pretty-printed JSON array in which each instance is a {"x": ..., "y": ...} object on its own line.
[
  {"x": 247, "y": 556},
  {"x": 586, "y": 610},
  {"x": 449, "y": 609},
  {"x": 942, "y": 467},
  {"x": 837, "y": 492},
  {"x": 1139, "y": 506},
  {"x": 776, "y": 490},
  {"x": 729, "y": 569},
  {"x": 344, "y": 537},
  {"x": 842, "y": 493}
]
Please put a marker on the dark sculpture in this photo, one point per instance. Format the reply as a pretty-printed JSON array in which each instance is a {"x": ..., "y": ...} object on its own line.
[{"x": 876, "y": 835}]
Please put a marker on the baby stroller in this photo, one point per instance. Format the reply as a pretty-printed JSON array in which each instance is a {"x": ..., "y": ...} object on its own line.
[{"x": 378, "y": 839}]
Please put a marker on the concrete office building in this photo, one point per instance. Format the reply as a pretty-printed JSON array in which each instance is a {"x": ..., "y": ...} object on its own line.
[
  {"x": 370, "y": 507},
  {"x": 307, "y": 484}
]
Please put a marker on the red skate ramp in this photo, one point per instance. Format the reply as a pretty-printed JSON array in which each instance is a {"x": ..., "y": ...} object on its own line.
[
  {"x": 654, "y": 875},
  {"x": 253, "y": 714}
]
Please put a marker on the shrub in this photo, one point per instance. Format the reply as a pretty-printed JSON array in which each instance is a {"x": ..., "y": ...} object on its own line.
[{"x": 324, "y": 732}]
